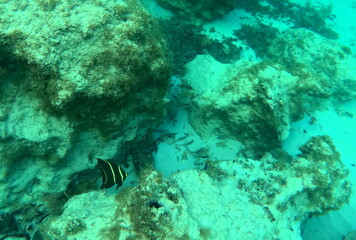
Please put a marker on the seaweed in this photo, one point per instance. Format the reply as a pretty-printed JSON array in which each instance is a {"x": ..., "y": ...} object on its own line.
[
  {"x": 313, "y": 17},
  {"x": 259, "y": 37},
  {"x": 186, "y": 41}
]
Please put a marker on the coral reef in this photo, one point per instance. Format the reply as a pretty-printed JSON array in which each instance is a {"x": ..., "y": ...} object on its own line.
[
  {"x": 313, "y": 183},
  {"x": 315, "y": 17},
  {"x": 76, "y": 78},
  {"x": 255, "y": 102},
  {"x": 89, "y": 59},
  {"x": 275, "y": 194},
  {"x": 252, "y": 107},
  {"x": 83, "y": 215},
  {"x": 32, "y": 141},
  {"x": 88, "y": 79},
  {"x": 322, "y": 65}
]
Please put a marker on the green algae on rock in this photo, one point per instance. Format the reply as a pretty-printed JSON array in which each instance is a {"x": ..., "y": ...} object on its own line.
[
  {"x": 73, "y": 74},
  {"x": 97, "y": 62},
  {"x": 32, "y": 141}
]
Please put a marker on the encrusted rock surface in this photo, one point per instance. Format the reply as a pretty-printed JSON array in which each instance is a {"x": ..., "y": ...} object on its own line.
[
  {"x": 242, "y": 198},
  {"x": 256, "y": 101},
  {"x": 98, "y": 62},
  {"x": 324, "y": 67},
  {"x": 77, "y": 79}
]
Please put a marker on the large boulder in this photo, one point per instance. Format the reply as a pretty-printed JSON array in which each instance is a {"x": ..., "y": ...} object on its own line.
[
  {"x": 256, "y": 101},
  {"x": 97, "y": 62},
  {"x": 77, "y": 80}
]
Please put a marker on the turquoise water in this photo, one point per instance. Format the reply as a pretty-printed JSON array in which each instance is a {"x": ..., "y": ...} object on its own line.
[{"x": 177, "y": 119}]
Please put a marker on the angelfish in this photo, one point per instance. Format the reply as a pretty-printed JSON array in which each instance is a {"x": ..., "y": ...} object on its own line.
[{"x": 111, "y": 173}]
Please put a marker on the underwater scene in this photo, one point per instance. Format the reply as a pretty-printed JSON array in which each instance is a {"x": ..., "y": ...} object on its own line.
[{"x": 177, "y": 120}]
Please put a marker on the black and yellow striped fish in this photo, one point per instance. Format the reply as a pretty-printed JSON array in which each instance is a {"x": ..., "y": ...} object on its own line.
[{"x": 112, "y": 174}]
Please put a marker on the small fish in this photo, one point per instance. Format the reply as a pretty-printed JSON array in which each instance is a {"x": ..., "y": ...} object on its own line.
[
  {"x": 91, "y": 156},
  {"x": 172, "y": 110},
  {"x": 111, "y": 173}
]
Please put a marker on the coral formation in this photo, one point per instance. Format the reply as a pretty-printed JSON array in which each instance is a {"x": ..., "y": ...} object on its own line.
[
  {"x": 253, "y": 107},
  {"x": 322, "y": 65},
  {"x": 302, "y": 15},
  {"x": 272, "y": 193},
  {"x": 75, "y": 78},
  {"x": 90, "y": 59},
  {"x": 88, "y": 79},
  {"x": 313, "y": 183},
  {"x": 255, "y": 102},
  {"x": 32, "y": 141}
]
